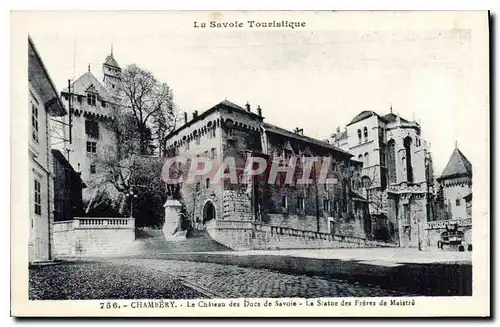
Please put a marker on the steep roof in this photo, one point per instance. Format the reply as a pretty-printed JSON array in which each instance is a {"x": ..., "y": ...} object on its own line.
[
  {"x": 88, "y": 82},
  {"x": 42, "y": 83},
  {"x": 278, "y": 130},
  {"x": 458, "y": 166},
  {"x": 390, "y": 117},
  {"x": 362, "y": 116},
  {"x": 110, "y": 60},
  {"x": 228, "y": 103},
  {"x": 63, "y": 161},
  {"x": 225, "y": 103}
]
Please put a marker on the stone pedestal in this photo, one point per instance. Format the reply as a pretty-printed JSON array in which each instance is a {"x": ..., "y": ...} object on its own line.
[{"x": 172, "y": 228}]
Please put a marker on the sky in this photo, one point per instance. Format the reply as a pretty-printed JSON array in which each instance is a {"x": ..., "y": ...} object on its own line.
[{"x": 315, "y": 78}]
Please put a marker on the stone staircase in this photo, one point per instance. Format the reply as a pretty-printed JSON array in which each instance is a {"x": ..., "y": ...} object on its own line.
[{"x": 153, "y": 242}]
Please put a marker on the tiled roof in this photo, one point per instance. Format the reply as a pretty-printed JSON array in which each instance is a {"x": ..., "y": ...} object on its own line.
[
  {"x": 88, "y": 81},
  {"x": 390, "y": 117},
  {"x": 232, "y": 105},
  {"x": 110, "y": 60},
  {"x": 362, "y": 116},
  {"x": 458, "y": 166},
  {"x": 201, "y": 116},
  {"x": 284, "y": 132}
]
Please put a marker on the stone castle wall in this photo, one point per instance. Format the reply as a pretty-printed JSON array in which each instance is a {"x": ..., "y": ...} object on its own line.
[{"x": 92, "y": 237}]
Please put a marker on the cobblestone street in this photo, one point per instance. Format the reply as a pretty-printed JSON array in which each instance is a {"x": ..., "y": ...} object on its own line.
[
  {"x": 229, "y": 281},
  {"x": 162, "y": 279}
]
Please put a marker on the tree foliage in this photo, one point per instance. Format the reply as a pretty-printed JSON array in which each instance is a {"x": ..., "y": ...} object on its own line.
[
  {"x": 129, "y": 173},
  {"x": 151, "y": 104}
]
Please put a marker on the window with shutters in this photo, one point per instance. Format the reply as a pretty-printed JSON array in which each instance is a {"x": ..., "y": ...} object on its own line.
[
  {"x": 38, "y": 197},
  {"x": 34, "y": 122}
]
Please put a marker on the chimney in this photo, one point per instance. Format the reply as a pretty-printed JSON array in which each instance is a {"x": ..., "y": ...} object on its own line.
[
  {"x": 259, "y": 111},
  {"x": 299, "y": 131},
  {"x": 338, "y": 129},
  {"x": 195, "y": 114},
  {"x": 247, "y": 105},
  {"x": 185, "y": 117}
]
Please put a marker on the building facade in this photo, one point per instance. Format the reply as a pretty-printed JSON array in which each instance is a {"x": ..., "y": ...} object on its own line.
[
  {"x": 68, "y": 185},
  {"x": 230, "y": 131},
  {"x": 396, "y": 174},
  {"x": 43, "y": 104},
  {"x": 453, "y": 227},
  {"x": 92, "y": 105}
]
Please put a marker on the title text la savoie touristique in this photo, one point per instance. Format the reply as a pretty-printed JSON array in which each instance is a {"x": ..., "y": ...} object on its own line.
[{"x": 250, "y": 24}]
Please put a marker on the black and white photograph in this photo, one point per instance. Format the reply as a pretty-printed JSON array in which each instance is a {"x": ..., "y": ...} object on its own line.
[{"x": 252, "y": 160}]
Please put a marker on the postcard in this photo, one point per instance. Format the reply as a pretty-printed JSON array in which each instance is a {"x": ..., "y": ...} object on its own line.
[{"x": 250, "y": 163}]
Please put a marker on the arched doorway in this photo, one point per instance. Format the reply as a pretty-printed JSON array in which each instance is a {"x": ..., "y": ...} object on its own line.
[{"x": 209, "y": 211}]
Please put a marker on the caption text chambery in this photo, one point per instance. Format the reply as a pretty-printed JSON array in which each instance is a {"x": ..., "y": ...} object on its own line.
[{"x": 250, "y": 24}]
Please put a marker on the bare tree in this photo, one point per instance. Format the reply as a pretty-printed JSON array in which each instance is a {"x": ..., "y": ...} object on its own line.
[{"x": 148, "y": 100}]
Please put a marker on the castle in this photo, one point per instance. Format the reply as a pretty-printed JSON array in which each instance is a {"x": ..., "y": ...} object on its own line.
[
  {"x": 385, "y": 191},
  {"x": 398, "y": 179},
  {"x": 396, "y": 175},
  {"x": 256, "y": 214},
  {"x": 91, "y": 106}
]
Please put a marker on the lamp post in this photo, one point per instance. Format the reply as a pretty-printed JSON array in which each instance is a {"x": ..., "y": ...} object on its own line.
[{"x": 131, "y": 195}]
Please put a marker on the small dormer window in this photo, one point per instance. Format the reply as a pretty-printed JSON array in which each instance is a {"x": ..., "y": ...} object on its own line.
[{"x": 91, "y": 99}]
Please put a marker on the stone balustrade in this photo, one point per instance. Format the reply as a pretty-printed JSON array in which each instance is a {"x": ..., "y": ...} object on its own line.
[
  {"x": 91, "y": 236},
  {"x": 94, "y": 223}
]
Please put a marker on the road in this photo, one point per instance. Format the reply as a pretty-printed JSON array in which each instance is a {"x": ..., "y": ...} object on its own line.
[{"x": 172, "y": 279}]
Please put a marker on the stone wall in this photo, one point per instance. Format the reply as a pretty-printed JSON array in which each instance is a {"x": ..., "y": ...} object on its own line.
[
  {"x": 237, "y": 206},
  {"x": 87, "y": 237},
  {"x": 239, "y": 235},
  {"x": 236, "y": 235}
]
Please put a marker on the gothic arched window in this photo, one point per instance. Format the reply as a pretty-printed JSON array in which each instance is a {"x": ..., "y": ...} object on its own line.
[
  {"x": 365, "y": 132},
  {"x": 409, "y": 168},
  {"x": 391, "y": 161},
  {"x": 367, "y": 159},
  {"x": 359, "y": 135}
]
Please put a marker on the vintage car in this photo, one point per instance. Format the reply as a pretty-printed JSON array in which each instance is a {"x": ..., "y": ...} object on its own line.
[{"x": 455, "y": 239}]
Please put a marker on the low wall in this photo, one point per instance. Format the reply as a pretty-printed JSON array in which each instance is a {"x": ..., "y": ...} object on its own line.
[
  {"x": 240, "y": 235},
  {"x": 83, "y": 237},
  {"x": 236, "y": 235}
]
